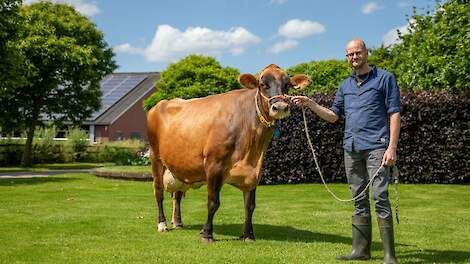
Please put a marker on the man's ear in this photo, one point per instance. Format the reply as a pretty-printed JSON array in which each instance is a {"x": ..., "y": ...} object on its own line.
[
  {"x": 248, "y": 81},
  {"x": 300, "y": 81}
]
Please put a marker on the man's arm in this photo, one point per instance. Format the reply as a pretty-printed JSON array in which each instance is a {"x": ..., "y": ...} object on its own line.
[
  {"x": 319, "y": 110},
  {"x": 390, "y": 156}
]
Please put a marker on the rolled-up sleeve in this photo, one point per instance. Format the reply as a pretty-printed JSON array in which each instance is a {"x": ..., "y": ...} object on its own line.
[
  {"x": 338, "y": 104},
  {"x": 392, "y": 93}
]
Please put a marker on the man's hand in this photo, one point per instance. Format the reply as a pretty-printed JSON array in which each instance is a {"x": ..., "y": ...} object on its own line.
[
  {"x": 390, "y": 157},
  {"x": 301, "y": 100}
]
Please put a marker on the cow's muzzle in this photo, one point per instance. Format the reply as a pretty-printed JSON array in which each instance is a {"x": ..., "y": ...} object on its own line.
[{"x": 279, "y": 110}]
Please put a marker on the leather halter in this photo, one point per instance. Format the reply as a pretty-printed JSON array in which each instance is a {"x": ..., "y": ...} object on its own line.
[{"x": 261, "y": 117}]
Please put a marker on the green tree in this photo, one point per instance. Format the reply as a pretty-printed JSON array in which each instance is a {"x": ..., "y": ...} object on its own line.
[
  {"x": 325, "y": 76},
  {"x": 434, "y": 56},
  {"x": 12, "y": 63},
  {"x": 68, "y": 57},
  {"x": 193, "y": 76}
]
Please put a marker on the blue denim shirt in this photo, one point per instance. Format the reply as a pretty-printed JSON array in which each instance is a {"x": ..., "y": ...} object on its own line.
[{"x": 366, "y": 109}]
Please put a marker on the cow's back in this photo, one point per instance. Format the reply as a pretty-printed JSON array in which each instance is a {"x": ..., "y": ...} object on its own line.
[{"x": 184, "y": 131}]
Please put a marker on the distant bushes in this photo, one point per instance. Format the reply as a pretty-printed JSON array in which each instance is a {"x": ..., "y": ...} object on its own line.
[
  {"x": 434, "y": 143},
  {"x": 126, "y": 152},
  {"x": 325, "y": 75}
]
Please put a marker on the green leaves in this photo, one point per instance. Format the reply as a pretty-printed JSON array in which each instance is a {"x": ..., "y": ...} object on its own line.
[
  {"x": 435, "y": 55},
  {"x": 326, "y": 75},
  {"x": 193, "y": 76},
  {"x": 65, "y": 57}
]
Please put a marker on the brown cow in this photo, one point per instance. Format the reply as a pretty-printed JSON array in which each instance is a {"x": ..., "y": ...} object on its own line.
[{"x": 215, "y": 140}]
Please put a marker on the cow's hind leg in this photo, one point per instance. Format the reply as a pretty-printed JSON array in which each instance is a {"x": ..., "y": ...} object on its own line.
[
  {"x": 249, "y": 199},
  {"x": 157, "y": 173},
  {"x": 214, "y": 175},
  {"x": 176, "y": 219}
]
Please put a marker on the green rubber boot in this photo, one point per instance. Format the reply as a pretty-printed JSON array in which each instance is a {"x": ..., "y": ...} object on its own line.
[
  {"x": 361, "y": 239},
  {"x": 386, "y": 234}
]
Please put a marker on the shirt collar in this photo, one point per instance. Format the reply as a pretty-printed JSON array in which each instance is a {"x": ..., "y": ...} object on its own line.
[{"x": 372, "y": 72}]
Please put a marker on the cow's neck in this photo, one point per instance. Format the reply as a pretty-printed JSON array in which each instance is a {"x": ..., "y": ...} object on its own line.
[{"x": 262, "y": 133}]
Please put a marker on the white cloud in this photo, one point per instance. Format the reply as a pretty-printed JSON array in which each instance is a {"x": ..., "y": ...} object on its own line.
[
  {"x": 296, "y": 29},
  {"x": 170, "y": 44},
  {"x": 85, "y": 7},
  {"x": 391, "y": 37},
  {"x": 278, "y": 2},
  {"x": 370, "y": 8},
  {"x": 283, "y": 46},
  {"x": 127, "y": 48}
]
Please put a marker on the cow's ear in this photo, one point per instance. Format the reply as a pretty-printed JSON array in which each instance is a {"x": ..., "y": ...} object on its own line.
[
  {"x": 299, "y": 81},
  {"x": 248, "y": 81}
]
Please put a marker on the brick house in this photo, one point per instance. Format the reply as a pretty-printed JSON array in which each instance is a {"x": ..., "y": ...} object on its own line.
[{"x": 121, "y": 115}]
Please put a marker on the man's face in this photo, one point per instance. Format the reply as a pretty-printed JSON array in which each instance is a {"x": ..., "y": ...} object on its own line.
[{"x": 356, "y": 54}]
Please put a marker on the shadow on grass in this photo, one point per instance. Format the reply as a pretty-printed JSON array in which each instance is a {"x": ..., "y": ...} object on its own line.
[
  {"x": 278, "y": 233},
  {"x": 290, "y": 234},
  {"x": 34, "y": 180},
  {"x": 437, "y": 256}
]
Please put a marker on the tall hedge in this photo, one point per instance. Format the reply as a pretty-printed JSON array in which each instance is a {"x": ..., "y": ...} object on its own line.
[{"x": 434, "y": 143}]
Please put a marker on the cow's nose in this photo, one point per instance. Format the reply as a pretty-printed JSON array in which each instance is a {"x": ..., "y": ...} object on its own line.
[{"x": 280, "y": 107}]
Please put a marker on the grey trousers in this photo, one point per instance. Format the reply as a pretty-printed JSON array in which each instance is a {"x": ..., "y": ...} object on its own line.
[{"x": 360, "y": 167}]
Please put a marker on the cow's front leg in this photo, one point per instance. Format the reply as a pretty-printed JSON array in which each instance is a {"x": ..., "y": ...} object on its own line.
[
  {"x": 250, "y": 204},
  {"x": 157, "y": 173},
  {"x": 214, "y": 184},
  {"x": 176, "y": 219}
]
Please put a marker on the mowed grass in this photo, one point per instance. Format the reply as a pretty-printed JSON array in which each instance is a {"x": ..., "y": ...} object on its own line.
[
  {"x": 80, "y": 218},
  {"x": 56, "y": 166}
]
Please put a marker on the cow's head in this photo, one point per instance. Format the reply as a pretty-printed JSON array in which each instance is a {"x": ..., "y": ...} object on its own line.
[{"x": 273, "y": 83}]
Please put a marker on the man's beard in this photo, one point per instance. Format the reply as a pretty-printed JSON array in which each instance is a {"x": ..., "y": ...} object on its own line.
[{"x": 356, "y": 64}]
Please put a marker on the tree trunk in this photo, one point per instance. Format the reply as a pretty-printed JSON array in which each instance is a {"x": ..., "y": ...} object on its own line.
[{"x": 26, "y": 157}]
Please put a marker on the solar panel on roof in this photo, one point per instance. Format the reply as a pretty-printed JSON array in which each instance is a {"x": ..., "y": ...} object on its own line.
[{"x": 114, "y": 87}]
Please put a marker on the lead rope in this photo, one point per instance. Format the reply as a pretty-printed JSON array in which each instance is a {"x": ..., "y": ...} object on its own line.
[{"x": 360, "y": 195}]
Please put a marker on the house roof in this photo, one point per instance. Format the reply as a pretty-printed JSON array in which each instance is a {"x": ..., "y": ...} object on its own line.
[{"x": 120, "y": 91}]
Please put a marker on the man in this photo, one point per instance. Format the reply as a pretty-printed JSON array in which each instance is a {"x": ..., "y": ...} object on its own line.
[{"x": 369, "y": 100}]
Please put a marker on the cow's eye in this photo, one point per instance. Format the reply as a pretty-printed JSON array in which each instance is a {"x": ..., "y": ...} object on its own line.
[{"x": 263, "y": 85}]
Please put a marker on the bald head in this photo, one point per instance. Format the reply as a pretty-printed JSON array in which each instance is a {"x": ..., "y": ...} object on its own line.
[
  {"x": 355, "y": 42},
  {"x": 356, "y": 54}
]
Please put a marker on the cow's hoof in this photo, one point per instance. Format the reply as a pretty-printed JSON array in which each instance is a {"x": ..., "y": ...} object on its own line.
[
  {"x": 162, "y": 227},
  {"x": 247, "y": 238},
  {"x": 178, "y": 226},
  {"x": 207, "y": 240}
]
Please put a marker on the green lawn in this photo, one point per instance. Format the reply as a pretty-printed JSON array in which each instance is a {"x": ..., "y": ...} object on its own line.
[
  {"x": 79, "y": 218},
  {"x": 56, "y": 166},
  {"x": 132, "y": 169}
]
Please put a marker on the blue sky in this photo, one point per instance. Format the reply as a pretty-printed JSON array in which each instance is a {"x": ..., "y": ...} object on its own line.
[{"x": 246, "y": 34}]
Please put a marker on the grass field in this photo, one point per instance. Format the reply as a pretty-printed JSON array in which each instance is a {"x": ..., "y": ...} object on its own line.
[
  {"x": 56, "y": 166},
  {"x": 79, "y": 218}
]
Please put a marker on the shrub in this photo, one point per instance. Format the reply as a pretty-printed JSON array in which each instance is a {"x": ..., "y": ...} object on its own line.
[
  {"x": 433, "y": 147},
  {"x": 76, "y": 144},
  {"x": 45, "y": 149},
  {"x": 10, "y": 151},
  {"x": 122, "y": 152},
  {"x": 326, "y": 75},
  {"x": 193, "y": 76}
]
